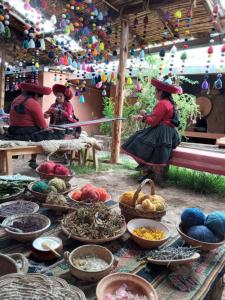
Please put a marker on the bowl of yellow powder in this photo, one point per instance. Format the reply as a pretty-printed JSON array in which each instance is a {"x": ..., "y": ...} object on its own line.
[{"x": 148, "y": 233}]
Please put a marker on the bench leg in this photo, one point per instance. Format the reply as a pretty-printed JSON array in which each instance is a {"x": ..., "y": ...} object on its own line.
[
  {"x": 9, "y": 163},
  {"x": 95, "y": 158},
  {"x": 2, "y": 162},
  {"x": 86, "y": 156}
]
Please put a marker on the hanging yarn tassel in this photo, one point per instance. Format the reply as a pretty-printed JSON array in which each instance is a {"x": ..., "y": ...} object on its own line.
[
  {"x": 65, "y": 60},
  {"x": 104, "y": 93},
  {"x": 37, "y": 44},
  {"x": 83, "y": 67},
  {"x": 2, "y": 27},
  {"x": 71, "y": 27},
  {"x": 99, "y": 85},
  {"x": 37, "y": 66},
  {"x": 112, "y": 77},
  {"x": 114, "y": 53},
  {"x": 138, "y": 87},
  {"x": 210, "y": 50},
  {"x": 142, "y": 54},
  {"x": 129, "y": 81},
  {"x": 81, "y": 99},
  {"x": 70, "y": 61},
  {"x": 25, "y": 44},
  {"x": 42, "y": 44},
  {"x": 101, "y": 46},
  {"x": 218, "y": 84},
  {"x": 44, "y": 4},
  {"x": 31, "y": 44},
  {"x": 7, "y": 33},
  {"x": 67, "y": 29},
  {"x": 74, "y": 64},
  {"x": 53, "y": 20},
  {"x": 104, "y": 78}
]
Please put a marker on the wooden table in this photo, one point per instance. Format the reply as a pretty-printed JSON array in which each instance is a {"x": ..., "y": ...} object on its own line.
[{"x": 6, "y": 155}]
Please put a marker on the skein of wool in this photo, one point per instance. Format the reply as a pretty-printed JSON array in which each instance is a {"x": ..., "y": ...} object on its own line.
[
  {"x": 202, "y": 233},
  {"x": 192, "y": 216},
  {"x": 215, "y": 221}
]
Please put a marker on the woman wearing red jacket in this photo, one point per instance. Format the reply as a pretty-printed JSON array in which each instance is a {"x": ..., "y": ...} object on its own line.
[
  {"x": 27, "y": 122},
  {"x": 152, "y": 147},
  {"x": 61, "y": 112}
]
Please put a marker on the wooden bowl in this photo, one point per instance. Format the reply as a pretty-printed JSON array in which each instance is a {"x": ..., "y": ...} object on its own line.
[
  {"x": 13, "y": 263},
  {"x": 49, "y": 177},
  {"x": 26, "y": 236},
  {"x": 94, "y": 241},
  {"x": 198, "y": 244},
  {"x": 136, "y": 284},
  {"x": 42, "y": 196},
  {"x": 174, "y": 262},
  {"x": 143, "y": 243},
  {"x": 34, "y": 207},
  {"x": 43, "y": 254},
  {"x": 90, "y": 250}
]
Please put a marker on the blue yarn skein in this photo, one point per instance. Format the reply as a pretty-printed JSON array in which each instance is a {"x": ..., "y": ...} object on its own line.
[
  {"x": 192, "y": 216},
  {"x": 202, "y": 233},
  {"x": 215, "y": 221}
]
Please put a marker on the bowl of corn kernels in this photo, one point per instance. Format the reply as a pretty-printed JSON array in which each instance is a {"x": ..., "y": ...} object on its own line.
[{"x": 148, "y": 233}]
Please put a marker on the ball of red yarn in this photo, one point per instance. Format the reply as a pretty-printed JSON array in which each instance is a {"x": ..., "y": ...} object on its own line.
[
  {"x": 61, "y": 170},
  {"x": 87, "y": 186},
  {"x": 47, "y": 167},
  {"x": 90, "y": 196}
]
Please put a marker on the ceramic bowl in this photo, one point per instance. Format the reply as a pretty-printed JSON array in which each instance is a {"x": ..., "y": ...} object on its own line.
[
  {"x": 143, "y": 243},
  {"x": 41, "y": 253},
  {"x": 136, "y": 284},
  {"x": 26, "y": 236},
  {"x": 93, "y": 250},
  {"x": 198, "y": 244}
]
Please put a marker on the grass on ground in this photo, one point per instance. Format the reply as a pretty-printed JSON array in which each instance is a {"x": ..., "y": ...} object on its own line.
[{"x": 199, "y": 182}]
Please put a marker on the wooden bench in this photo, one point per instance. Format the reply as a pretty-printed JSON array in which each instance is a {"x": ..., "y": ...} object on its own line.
[
  {"x": 203, "y": 135},
  {"x": 200, "y": 160},
  {"x": 6, "y": 156}
]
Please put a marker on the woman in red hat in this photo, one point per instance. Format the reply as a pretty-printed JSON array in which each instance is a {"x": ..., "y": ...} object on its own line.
[
  {"x": 152, "y": 147},
  {"x": 27, "y": 122},
  {"x": 61, "y": 112}
]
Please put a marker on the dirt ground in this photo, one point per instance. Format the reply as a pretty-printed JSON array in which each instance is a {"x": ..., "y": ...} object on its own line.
[{"x": 116, "y": 182}]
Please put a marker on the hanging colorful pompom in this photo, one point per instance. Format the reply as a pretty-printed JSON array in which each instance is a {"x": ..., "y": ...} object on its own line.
[
  {"x": 142, "y": 54},
  {"x": 104, "y": 93},
  {"x": 112, "y": 77},
  {"x": 104, "y": 78},
  {"x": 178, "y": 14},
  {"x": 101, "y": 46},
  {"x": 138, "y": 87}
]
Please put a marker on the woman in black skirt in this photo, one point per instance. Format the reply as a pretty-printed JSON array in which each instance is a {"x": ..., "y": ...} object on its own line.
[
  {"x": 27, "y": 122},
  {"x": 152, "y": 147}
]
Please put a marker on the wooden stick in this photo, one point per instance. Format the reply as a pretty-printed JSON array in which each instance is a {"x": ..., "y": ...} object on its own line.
[
  {"x": 117, "y": 125},
  {"x": 2, "y": 79},
  {"x": 110, "y": 5}
]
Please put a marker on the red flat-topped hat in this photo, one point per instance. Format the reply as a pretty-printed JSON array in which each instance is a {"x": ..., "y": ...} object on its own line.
[
  {"x": 166, "y": 87},
  {"x": 35, "y": 88},
  {"x": 65, "y": 90}
]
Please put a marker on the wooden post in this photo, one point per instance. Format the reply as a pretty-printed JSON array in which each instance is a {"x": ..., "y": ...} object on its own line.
[
  {"x": 2, "y": 79},
  {"x": 119, "y": 99}
]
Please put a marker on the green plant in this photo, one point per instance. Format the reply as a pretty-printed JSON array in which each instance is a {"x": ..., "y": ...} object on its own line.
[{"x": 108, "y": 111}]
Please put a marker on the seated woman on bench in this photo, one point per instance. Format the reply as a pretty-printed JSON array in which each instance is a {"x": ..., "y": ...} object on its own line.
[
  {"x": 61, "y": 112},
  {"x": 27, "y": 122},
  {"x": 152, "y": 147}
]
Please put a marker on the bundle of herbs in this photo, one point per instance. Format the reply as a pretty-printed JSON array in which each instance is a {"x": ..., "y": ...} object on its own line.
[
  {"x": 8, "y": 188},
  {"x": 96, "y": 221}
]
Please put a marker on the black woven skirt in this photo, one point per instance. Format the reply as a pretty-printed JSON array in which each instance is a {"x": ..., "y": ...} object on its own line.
[
  {"x": 153, "y": 145},
  {"x": 33, "y": 134}
]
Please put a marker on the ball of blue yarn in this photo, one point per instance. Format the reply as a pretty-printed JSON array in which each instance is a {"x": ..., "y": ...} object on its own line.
[
  {"x": 202, "y": 233},
  {"x": 192, "y": 216},
  {"x": 215, "y": 221}
]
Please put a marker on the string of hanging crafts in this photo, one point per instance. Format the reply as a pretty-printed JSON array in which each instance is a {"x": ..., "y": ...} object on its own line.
[
  {"x": 142, "y": 52},
  {"x": 4, "y": 20},
  {"x": 173, "y": 52}
]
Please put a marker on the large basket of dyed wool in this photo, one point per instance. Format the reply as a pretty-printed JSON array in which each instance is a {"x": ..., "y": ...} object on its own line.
[
  {"x": 201, "y": 231},
  {"x": 48, "y": 170},
  {"x": 139, "y": 205}
]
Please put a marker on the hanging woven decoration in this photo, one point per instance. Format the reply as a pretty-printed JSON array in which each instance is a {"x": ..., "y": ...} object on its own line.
[
  {"x": 183, "y": 59},
  {"x": 173, "y": 52},
  {"x": 162, "y": 54},
  {"x": 218, "y": 84}
]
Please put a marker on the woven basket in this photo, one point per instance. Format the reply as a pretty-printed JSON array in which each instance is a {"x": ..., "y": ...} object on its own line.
[
  {"x": 130, "y": 212},
  {"x": 13, "y": 263},
  {"x": 42, "y": 197},
  {"x": 49, "y": 177},
  {"x": 37, "y": 286}
]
